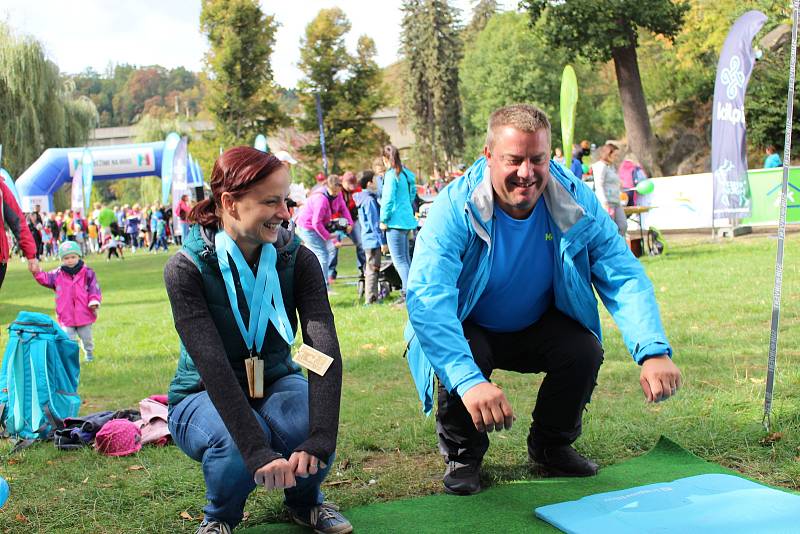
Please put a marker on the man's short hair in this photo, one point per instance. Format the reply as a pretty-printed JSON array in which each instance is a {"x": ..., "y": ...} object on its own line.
[{"x": 523, "y": 117}]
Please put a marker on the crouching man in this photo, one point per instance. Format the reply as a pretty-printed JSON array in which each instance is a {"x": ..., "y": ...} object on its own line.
[{"x": 502, "y": 278}]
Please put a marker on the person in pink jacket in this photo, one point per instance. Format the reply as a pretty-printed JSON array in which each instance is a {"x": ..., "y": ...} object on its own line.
[
  {"x": 77, "y": 295},
  {"x": 319, "y": 219}
]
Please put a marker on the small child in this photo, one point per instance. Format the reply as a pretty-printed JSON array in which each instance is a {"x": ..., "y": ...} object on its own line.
[
  {"x": 77, "y": 295},
  {"x": 372, "y": 238},
  {"x": 94, "y": 245},
  {"x": 47, "y": 241},
  {"x": 112, "y": 245}
]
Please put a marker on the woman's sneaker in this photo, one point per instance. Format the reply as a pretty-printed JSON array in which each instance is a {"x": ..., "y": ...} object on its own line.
[{"x": 324, "y": 519}]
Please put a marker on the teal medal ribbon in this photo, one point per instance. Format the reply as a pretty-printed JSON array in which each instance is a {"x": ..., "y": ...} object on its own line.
[{"x": 262, "y": 292}]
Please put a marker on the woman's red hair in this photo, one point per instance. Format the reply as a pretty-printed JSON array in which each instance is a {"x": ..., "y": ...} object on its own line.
[{"x": 236, "y": 171}]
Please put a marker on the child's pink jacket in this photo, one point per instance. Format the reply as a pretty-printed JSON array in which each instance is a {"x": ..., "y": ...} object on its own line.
[{"x": 73, "y": 295}]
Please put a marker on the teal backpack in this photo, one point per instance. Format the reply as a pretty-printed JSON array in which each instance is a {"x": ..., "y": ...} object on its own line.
[{"x": 38, "y": 378}]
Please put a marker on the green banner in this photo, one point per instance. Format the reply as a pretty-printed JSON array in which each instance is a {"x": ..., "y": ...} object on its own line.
[
  {"x": 765, "y": 191},
  {"x": 569, "y": 98}
]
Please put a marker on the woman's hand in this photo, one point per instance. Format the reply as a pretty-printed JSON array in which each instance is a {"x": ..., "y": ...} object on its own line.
[
  {"x": 278, "y": 474},
  {"x": 304, "y": 464}
]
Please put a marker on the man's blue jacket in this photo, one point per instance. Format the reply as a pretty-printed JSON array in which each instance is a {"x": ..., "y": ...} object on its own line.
[{"x": 453, "y": 259}]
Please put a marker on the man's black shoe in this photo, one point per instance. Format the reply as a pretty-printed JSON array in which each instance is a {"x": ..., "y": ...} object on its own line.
[
  {"x": 562, "y": 461},
  {"x": 462, "y": 479}
]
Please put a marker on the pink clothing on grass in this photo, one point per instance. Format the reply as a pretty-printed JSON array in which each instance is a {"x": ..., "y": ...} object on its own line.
[
  {"x": 73, "y": 295},
  {"x": 159, "y": 398},
  {"x": 318, "y": 211},
  {"x": 153, "y": 423}
]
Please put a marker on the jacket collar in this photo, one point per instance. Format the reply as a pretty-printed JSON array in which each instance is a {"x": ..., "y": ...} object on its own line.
[
  {"x": 201, "y": 241},
  {"x": 559, "y": 195}
]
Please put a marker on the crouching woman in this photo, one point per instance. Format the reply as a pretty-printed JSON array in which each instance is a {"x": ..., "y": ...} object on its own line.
[{"x": 237, "y": 288}]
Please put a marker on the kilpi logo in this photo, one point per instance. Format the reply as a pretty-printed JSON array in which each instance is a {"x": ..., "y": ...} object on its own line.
[
  {"x": 548, "y": 236},
  {"x": 729, "y": 113},
  {"x": 733, "y": 77}
]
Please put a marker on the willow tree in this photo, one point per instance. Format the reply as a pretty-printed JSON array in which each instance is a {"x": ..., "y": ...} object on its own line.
[{"x": 37, "y": 109}]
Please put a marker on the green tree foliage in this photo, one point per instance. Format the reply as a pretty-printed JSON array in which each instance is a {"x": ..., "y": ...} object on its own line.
[
  {"x": 241, "y": 94},
  {"x": 350, "y": 90},
  {"x": 684, "y": 71},
  {"x": 482, "y": 12},
  {"x": 432, "y": 50},
  {"x": 497, "y": 71},
  {"x": 765, "y": 104},
  {"x": 600, "y": 30},
  {"x": 37, "y": 107}
]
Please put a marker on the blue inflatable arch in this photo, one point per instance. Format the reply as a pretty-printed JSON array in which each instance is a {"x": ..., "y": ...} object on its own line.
[{"x": 56, "y": 166}]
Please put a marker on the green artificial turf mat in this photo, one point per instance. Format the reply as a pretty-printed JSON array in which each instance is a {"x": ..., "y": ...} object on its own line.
[{"x": 509, "y": 507}]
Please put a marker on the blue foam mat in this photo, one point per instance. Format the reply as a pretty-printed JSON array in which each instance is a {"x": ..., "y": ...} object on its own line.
[{"x": 711, "y": 504}]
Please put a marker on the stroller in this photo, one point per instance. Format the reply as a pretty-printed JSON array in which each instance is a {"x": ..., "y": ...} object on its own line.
[
  {"x": 388, "y": 277},
  {"x": 388, "y": 280}
]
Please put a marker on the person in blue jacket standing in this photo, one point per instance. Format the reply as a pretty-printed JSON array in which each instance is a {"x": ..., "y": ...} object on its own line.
[
  {"x": 502, "y": 278},
  {"x": 772, "y": 159},
  {"x": 397, "y": 211}
]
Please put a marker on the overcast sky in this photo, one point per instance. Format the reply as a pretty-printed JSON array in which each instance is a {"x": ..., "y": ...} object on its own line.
[{"x": 93, "y": 33}]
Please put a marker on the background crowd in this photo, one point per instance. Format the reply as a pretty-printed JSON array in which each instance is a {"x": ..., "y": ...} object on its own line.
[{"x": 106, "y": 230}]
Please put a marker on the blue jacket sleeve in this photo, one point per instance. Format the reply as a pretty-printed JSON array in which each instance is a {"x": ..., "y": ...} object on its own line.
[
  {"x": 624, "y": 288},
  {"x": 375, "y": 219},
  {"x": 432, "y": 297}
]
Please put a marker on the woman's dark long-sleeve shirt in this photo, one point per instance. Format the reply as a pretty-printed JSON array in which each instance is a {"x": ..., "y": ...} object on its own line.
[{"x": 199, "y": 335}]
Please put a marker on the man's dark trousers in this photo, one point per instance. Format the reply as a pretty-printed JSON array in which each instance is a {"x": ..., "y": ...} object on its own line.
[{"x": 568, "y": 353}]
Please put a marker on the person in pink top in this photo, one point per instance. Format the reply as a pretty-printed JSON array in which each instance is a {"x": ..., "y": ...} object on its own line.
[
  {"x": 320, "y": 217},
  {"x": 181, "y": 212},
  {"x": 77, "y": 295}
]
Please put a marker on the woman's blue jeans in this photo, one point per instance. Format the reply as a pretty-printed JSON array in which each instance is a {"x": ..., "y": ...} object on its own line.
[
  {"x": 323, "y": 249},
  {"x": 198, "y": 430},
  {"x": 398, "y": 248}
]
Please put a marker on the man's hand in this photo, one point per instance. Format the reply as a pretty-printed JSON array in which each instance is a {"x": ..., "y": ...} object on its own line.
[
  {"x": 489, "y": 408},
  {"x": 304, "y": 464},
  {"x": 660, "y": 378},
  {"x": 33, "y": 266},
  {"x": 383, "y": 227},
  {"x": 278, "y": 474}
]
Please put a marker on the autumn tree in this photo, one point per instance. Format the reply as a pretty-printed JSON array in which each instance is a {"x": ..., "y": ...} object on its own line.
[
  {"x": 602, "y": 30},
  {"x": 349, "y": 89},
  {"x": 241, "y": 94}
]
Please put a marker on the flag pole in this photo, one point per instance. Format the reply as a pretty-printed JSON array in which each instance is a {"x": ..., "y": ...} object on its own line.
[{"x": 776, "y": 292}]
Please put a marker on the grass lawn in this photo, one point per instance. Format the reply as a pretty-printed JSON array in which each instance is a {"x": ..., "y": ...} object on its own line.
[{"x": 716, "y": 301}]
